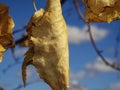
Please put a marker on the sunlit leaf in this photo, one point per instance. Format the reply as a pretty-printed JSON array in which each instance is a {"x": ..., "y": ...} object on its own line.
[
  {"x": 102, "y": 10},
  {"x": 6, "y": 26},
  {"x": 48, "y": 42}
]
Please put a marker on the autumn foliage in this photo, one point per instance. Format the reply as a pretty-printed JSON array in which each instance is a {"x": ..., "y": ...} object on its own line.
[
  {"x": 48, "y": 38},
  {"x": 102, "y": 10},
  {"x": 6, "y": 26}
]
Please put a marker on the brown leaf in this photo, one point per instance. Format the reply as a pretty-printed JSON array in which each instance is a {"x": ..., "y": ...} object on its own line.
[
  {"x": 24, "y": 41},
  {"x": 48, "y": 41},
  {"x": 6, "y": 26},
  {"x": 102, "y": 10}
]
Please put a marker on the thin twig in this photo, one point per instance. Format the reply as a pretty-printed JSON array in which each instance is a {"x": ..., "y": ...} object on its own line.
[
  {"x": 114, "y": 66},
  {"x": 63, "y": 1},
  {"x": 117, "y": 45},
  {"x": 24, "y": 38},
  {"x": 21, "y": 40},
  {"x": 34, "y": 5}
]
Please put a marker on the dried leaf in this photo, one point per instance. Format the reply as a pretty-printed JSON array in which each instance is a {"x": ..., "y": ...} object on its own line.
[
  {"x": 24, "y": 41},
  {"x": 48, "y": 41},
  {"x": 6, "y": 26},
  {"x": 102, "y": 10}
]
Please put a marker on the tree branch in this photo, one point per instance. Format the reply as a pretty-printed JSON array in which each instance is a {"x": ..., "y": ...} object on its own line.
[
  {"x": 63, "y": 1},
  {"x": 117, "y": 45},
  {"x": 112, "y": 65}
]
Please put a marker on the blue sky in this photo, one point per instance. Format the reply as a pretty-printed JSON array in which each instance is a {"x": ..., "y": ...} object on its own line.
[{"x": 87, "y": 71}]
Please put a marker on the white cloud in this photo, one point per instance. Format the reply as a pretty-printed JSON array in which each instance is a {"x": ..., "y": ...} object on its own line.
[
  {"x": 82, "y": 74},
  {"x": 99, "y": 66},
  {"x": 31, "y": 73},
  {"x": 77, "y": 35},
  {"x": 74, "y": 81},
  {"x": 92, "y": 69},
  {"x": 2, "y": 85},
  {"x": 77, "y": 75},
  {"x": 115, "y": 86},
  {"x": 20, "y": 51},
  {"x": 75, "y": 85}
]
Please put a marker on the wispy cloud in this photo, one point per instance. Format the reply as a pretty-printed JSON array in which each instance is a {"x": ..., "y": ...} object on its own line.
[
  {"x": 75, "y": 85},
  {"x": 78, "y": 35},
  {"x": 115, "y": 86},
  {"x": 99, "y": 66},
  {"x": 92, "y": 69},
  {"x": 78, "y": 75},
  {"x": 2, "y": 85},
  {"x": 31, "y": 73}
]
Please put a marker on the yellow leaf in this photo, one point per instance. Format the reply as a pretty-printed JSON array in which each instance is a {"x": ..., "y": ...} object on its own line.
[
  {"x": 102, "y": 10},
  {"x": 6, "y": 26},
  {"x": 48, "y": 42},
  {"x": 1, "y": 52}
]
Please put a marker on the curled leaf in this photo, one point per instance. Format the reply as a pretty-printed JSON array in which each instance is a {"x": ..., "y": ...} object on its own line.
[
  {"x": 6, "y": 26},
  {"x": 102, "y": 10},
  {"x": 48, "y": 42}
]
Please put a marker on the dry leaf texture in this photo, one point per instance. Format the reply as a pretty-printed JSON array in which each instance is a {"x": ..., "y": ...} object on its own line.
[
  {"x": 102, "y": 10},
  {"x": 6, "y": 26},
  {"x": 48, "y": 41},
  {"x": 24, "y": 42}
]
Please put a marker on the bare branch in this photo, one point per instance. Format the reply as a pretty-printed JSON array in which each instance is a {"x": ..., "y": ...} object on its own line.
[
  {"x": 63, "y": 1},
  {"x": 117, "y": 45},
  {"x": 1, "y": 88},
  {"x": 34, "y": 5},
  {"x": 21, "y": 40},
  {"x": 114, "y": 66}
]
